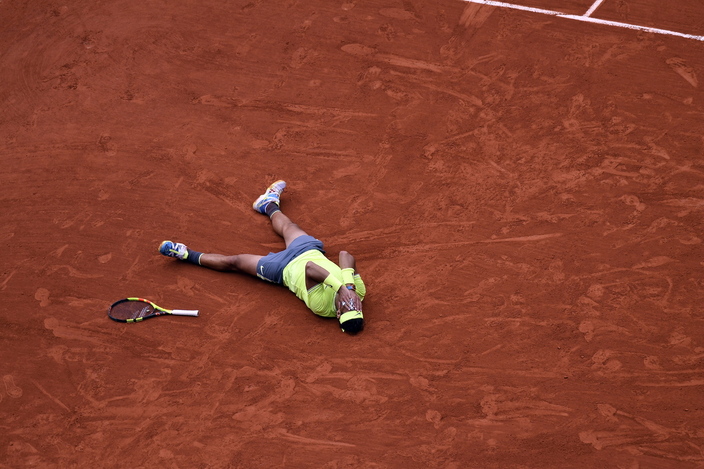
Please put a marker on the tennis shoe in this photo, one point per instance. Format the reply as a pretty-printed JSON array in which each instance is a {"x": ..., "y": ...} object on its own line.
[
  {"x": 171, "y": 249},
  {"x": 272, "y": 194}
]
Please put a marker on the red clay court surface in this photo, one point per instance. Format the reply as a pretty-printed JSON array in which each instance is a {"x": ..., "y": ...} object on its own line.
[{"x": 523, "y": 193}]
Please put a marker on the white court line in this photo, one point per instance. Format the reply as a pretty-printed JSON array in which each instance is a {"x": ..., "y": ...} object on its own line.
[
  {"x": 587, "y": 19},
  {"x": 594, "y": 7}
]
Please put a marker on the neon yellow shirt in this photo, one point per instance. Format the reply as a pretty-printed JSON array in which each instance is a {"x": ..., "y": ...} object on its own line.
[{"x": 321, "y": 298}]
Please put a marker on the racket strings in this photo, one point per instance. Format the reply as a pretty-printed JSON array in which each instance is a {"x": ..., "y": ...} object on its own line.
[{"x": 130, "y": 310}]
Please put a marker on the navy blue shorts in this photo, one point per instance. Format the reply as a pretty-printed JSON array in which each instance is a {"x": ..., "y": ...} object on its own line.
[{"x": 271, "y": 267}]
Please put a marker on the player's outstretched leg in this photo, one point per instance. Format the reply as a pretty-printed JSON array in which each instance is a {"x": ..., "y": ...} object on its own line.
[{"x": 246, "y": 263}]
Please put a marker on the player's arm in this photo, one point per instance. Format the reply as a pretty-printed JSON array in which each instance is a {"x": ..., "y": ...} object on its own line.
[
  {"x": 316, "y": 274},
  {"x": 349, "y": 269},
  {"x": 347, "y": 261}
]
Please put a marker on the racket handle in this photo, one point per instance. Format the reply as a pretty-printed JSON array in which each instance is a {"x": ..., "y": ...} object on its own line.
[{"x": 184, "y": 312}]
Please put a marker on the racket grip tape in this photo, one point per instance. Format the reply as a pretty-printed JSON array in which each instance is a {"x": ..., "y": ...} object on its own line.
[{"x": 184, "y": 312}]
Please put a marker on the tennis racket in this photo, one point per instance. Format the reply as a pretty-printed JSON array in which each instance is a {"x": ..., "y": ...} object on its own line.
[{"x": 139, "y": 309}]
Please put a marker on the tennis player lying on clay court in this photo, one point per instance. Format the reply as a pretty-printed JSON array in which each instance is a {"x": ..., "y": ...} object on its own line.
[{"x": 327, "y": 289}]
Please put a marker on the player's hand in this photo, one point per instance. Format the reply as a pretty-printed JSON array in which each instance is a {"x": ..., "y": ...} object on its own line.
[{"x": 348, "y": 300}]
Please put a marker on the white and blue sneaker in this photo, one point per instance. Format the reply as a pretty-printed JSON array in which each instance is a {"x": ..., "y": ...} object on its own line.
[
  {"x": 272, "y": 194},
  {"x": 171, "y": 249}
]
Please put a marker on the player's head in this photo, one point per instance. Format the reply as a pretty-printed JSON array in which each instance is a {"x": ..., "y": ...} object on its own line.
[{"x": 352, "y": 322}]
